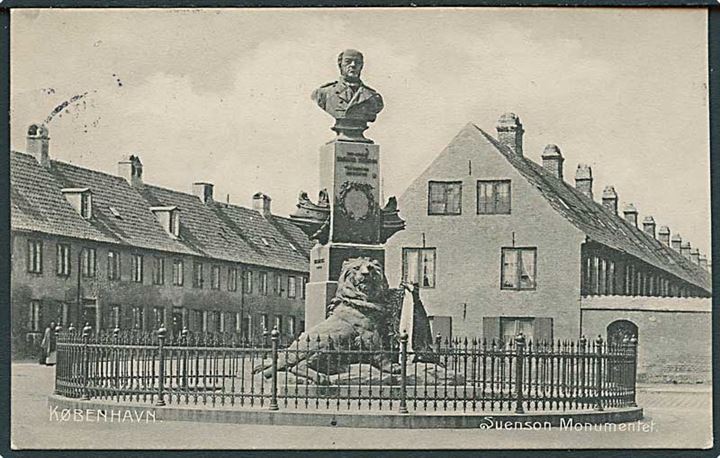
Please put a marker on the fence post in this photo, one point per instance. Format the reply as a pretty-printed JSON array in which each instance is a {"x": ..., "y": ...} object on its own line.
[
  {"x": 274, "y": 335},
  {"x": 56, "y": 331},
  {"x": 184, "y": 334},
  {"x": 116, "y": 352},
  {"x": 633, "y": 348},
  {"x": 598, "y": 374},
  {"x": 519, "y": 359},
  {"x": 86, "y": 361},
  {"x": 161, "y": 361},
  {"x": 403, "y": 371}
]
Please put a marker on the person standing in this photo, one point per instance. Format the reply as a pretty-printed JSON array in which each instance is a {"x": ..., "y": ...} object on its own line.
[{"x": 48, "y": 351}]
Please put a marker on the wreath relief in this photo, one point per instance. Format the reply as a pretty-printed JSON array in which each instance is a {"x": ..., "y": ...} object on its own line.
[{"x": 356, "y": 201}]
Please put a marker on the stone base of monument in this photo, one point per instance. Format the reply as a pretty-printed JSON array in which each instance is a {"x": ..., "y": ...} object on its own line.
[
  {"x": 325, "y": 266},
  {"x": 339, "y": 415}
]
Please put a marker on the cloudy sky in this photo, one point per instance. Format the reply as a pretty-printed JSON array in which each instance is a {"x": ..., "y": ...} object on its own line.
[{"x": 223, "y": 95}]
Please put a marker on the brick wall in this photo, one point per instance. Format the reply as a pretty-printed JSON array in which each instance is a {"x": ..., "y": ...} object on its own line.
[{"x": 673, "y": 346}]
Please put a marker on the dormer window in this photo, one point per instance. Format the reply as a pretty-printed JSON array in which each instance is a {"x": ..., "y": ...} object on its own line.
[
  {"x": 80, "y": 199},
  {"x": 169, "y": 218}
]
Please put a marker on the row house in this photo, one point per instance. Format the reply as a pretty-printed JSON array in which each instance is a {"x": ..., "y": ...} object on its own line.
[
  {"x": 114, "y": 251},
  {"x": 502, "y": 244}
]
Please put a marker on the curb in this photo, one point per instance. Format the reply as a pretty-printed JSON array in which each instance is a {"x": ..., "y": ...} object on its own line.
[{"x": 414, "y": 420}]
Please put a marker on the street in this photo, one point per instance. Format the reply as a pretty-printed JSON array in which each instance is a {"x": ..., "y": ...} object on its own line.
[{"x": 676, "y": 416}]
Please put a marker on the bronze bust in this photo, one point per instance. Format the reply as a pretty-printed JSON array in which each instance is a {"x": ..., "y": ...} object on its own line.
[{"x": 349, "y": 100}]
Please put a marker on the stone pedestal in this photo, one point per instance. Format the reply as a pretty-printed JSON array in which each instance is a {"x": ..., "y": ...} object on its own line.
[
  {"x": 325, "y": 265},
  {"x": 350, "y": 172}
]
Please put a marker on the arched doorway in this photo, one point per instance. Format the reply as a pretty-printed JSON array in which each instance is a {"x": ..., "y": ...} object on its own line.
[{"x": 619, "y": 330}]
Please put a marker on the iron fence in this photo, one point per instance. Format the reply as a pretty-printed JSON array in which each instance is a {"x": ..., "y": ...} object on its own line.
[{"x": 467, "y": 375}]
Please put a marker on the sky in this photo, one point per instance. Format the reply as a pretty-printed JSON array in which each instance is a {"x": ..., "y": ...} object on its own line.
[{"x": 223, "y": 95}]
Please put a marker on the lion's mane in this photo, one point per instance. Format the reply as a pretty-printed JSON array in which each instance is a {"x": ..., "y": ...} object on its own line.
[{"x": 361, "y": 285}]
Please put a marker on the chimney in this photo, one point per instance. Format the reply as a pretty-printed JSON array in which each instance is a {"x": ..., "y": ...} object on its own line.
[
  {"x": 649, "y": 225},
  {"x": 703, "y": 261},
  {"x": 610, "y": 199},
  {"x": 676, "y": 242},
  {"x": 631, "y": 214},
  {"x": 584, "y": 180},
  {"x": 38, "y": 144},
  {"x": 261, "y": 204},
  {"x": 664, "y": 235},
  {"x": 204, "y": 191},
  {"x": 510, "y": 132},
  {"x": 130, "y": 168},
  {"x": 695, "y": 256},
  {"x": 553, "y": 161},
  {"x": 685, "y": 249}
]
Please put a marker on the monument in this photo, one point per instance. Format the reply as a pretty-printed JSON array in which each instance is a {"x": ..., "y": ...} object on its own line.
[{"x": 347, "y": 221}]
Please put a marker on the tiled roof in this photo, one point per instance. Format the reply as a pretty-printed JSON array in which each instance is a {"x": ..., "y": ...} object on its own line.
[
  {"x": 598, "y": 222},
  {"x": 122, "y": 215},
  {"x": 274, "y": 239},
  {"x": 37, "y": 204}
]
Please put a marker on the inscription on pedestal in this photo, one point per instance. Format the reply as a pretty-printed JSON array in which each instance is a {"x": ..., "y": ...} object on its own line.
[{"x": 354, "y": 179}]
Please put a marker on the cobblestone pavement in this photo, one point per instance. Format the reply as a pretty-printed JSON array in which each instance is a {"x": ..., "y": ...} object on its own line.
[{"x": 677, "y": 416}]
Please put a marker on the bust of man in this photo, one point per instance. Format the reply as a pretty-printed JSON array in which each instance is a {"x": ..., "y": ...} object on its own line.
[{"x": 349, "y": 100}]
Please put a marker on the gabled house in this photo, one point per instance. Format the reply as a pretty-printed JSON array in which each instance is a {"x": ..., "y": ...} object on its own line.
[{"x": 501, "y": 244}]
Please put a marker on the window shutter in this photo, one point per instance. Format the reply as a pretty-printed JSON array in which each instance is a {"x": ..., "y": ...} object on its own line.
[
  {"x": 491, "y": 328},
  {"x": 543, "y": 330}
]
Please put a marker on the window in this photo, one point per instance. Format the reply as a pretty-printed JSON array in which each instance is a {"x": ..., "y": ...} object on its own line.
[
  {"x": 238, "y": 322},
  {"x": 215, "y": 277},
  {"x": 115, "y": 316},
  {"x": 178, "y": 272},
  {"x": 278, "y": 323},
  {"x": 303, "y": 284},
  {"x": 419, "y": 266},
  {"x": 197, "y": 275},
  {"x": 62, "y": 318},
  {"x": 264, "y": 322},
  {"x": 198, "y": 320},
  {"x": 232, "y": 279},
  {"x": 204, "y": 314},
  {"x": 88, "y": 262},
  {"x": 63, "y": 259},
  {"x": 136, "y": 265},
  {"x": 217, "y": 321},
  {"x": 158, "y": 316},
  {"x": 505, "y": 329},
  {"x": 292, "y": 287},
  {"x": 86, "y": 205},
  {"x": 278, "y": 284},
  {"x": 158, "y": 270},
  {"x": 138, "y": 318},
  {"x": 247, "y": 281},
  {"x": 291, "y": 326},
  {"x": 174, "y": 223},
  {"x": 247, "y": 326},
  {"x": 511, "y": 327},
  {"x": 493, "y": 197},
  {"x": 263, "y": 283},
  {"x": 34, "y": 257},
  {"x": 518, "y": 268},
  {"x": 113, "y": 265},
  {"x": 444, "y": 198},
  {"x": 34, "y": 318}
]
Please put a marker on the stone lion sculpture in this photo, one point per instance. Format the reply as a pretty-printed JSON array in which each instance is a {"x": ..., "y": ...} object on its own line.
[{"x": 363, "y": 314}]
